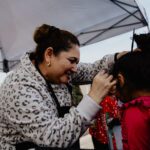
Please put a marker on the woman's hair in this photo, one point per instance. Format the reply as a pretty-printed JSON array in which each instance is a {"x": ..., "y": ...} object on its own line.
[
  {"x": 143, "y": 41},
  {"x": 135, "y": 67},
  {"x": 49, "y": 36}
]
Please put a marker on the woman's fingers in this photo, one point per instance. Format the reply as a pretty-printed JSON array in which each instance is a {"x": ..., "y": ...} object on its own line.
[{"x": 101, "y": 86}]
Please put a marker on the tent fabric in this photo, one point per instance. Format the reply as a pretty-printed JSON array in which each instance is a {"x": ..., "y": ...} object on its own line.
[{"x": 91, "y": 20}]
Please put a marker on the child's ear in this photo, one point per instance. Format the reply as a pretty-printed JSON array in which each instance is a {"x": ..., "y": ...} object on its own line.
[{"x": 120, "y": 78}]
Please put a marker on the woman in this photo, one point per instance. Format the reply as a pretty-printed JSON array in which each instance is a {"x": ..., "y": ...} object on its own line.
[
  {"x": 35, "y": 99},
  {"x": 133, "y": 74}
]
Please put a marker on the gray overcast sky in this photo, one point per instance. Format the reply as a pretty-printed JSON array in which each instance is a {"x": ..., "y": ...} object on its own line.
[{"x": 119, "y": 43}]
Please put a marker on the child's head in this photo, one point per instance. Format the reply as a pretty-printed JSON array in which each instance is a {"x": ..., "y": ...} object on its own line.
[{"x": 133, "y": 74}]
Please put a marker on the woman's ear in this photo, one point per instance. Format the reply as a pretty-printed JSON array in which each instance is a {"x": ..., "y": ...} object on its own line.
[
  {"x": 121, "y": 80},
  {"x": 48, "y": 54}
]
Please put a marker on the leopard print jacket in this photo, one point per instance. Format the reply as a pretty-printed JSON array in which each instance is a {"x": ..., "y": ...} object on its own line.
[{"x": 28, "y": 112}]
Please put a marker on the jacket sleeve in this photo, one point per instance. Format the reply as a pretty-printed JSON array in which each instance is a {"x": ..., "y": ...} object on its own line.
[{"x": 87, "y": 71}]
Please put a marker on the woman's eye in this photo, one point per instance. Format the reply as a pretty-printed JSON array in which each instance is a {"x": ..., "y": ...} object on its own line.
[{"x": 73, "y": 61}]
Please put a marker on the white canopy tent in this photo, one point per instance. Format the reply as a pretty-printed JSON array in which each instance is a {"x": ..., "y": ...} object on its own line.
[{"x": 91, "y": 20}]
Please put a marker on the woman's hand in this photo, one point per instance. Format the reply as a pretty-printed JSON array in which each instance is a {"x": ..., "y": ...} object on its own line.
[
  {"x": 112, "y": 90},
  {"x": 102, "y": 83}
]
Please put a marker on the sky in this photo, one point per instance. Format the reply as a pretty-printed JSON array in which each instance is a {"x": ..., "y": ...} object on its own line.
[{"x": 116, "y": 44}]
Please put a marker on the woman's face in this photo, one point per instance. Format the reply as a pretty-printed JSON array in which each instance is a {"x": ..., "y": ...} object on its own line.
[{"x": 63, "y": 65}]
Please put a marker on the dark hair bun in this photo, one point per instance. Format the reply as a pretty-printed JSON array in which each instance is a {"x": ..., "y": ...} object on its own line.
[{"x": 43, "y": 32}]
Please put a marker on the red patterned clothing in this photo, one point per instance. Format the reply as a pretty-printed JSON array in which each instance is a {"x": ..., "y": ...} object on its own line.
[
  {"x": 99, "y": 129},
  {"x": 136, "y": 124}
]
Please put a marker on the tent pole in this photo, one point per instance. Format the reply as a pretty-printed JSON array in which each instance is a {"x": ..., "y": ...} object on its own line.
[
  {"x": 5, "y": 65},
  {"x": 132, "y": 40},
  {"x": 4, "y": 60}
]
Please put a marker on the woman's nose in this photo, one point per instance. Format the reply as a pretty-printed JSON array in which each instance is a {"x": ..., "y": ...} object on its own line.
[{"x": 74, "y": 68}]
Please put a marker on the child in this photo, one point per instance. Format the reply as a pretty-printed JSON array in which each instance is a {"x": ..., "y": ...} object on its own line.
[{"x": 133, "y": 88}]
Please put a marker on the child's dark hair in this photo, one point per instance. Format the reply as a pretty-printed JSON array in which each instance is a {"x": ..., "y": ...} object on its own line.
[{"x": 135, "y": 67}]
